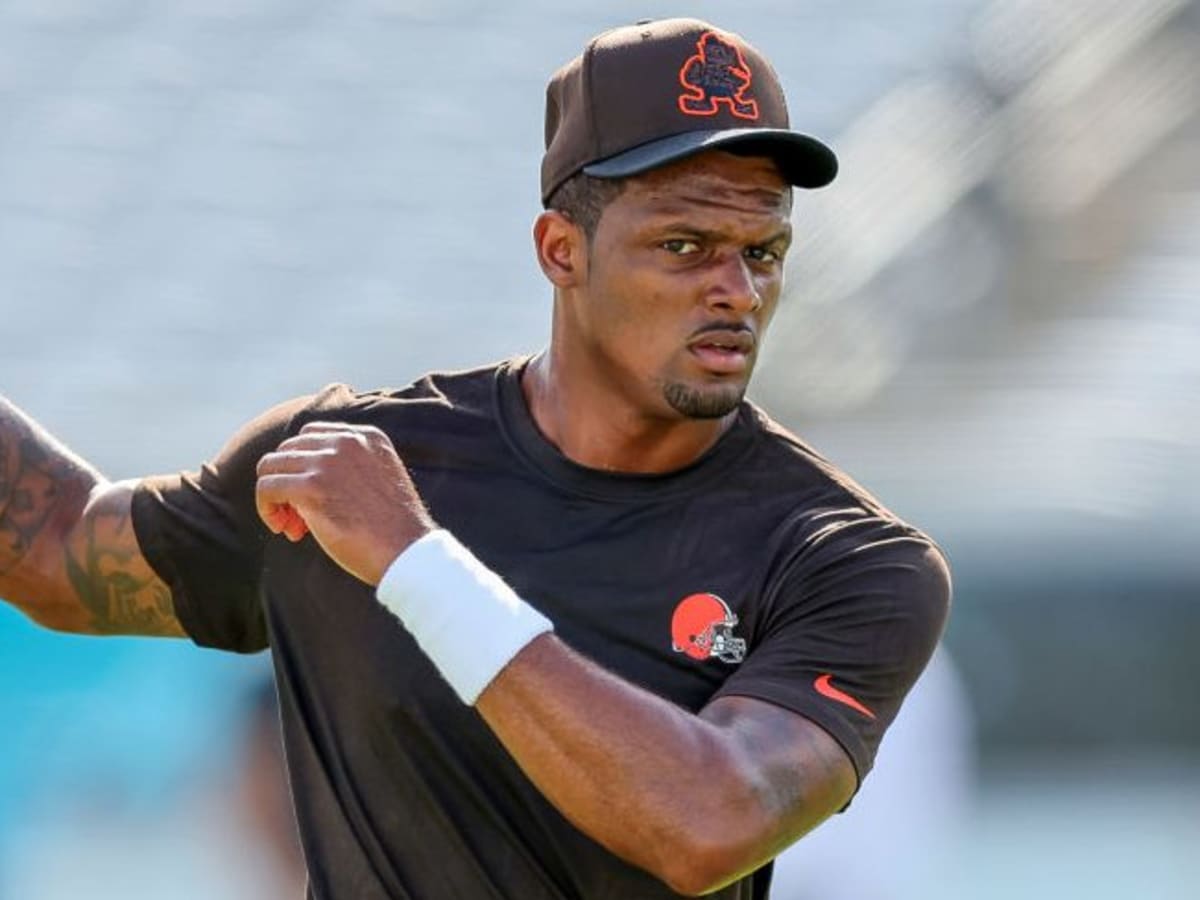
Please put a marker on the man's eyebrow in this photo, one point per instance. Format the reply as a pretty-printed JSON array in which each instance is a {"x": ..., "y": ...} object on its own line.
[
  {"x": 783, "y": 234},
  {"x": 681, "y": 227}
]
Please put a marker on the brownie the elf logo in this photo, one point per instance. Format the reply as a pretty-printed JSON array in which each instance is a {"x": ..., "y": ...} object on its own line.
[
  {"x": 716, "y": 74},
  {"x": 702, "y": 627}
]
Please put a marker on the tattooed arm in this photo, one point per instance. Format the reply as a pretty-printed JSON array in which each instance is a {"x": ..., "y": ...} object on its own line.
[{"x": 69, "y": 558}]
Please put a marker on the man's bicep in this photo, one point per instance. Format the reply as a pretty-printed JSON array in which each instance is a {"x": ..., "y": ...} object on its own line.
[
  {"x": 804, "y": 775},
  {"x": 107, "y": 575}
]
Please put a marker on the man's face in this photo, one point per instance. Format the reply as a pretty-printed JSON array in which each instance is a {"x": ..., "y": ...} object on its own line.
[{"x": 684, "y": 272}]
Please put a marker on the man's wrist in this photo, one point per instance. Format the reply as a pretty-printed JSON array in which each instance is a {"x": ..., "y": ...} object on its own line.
[
  {"x": 419, "y": 529},
  {"x": 464, "y": 617}
]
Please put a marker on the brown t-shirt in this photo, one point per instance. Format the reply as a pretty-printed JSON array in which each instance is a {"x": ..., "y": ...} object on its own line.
[{"x": 759, "y": 570}]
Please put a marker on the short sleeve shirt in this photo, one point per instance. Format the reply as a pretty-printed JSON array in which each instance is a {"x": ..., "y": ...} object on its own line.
[{"x": 759, "y": 570}]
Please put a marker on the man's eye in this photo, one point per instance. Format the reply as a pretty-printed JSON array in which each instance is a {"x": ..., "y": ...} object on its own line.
[
  {"x": 763, "y": 254},
  {"x": 681, "y": 246}
]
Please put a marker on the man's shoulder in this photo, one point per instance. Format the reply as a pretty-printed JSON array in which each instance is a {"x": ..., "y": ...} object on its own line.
[
  {"x": 827, "y": 507},
  {"x": 796, "y": 465},
  {"x": 462, "y": 392}
]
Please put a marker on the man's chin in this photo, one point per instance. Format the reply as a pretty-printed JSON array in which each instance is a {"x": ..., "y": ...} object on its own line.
[{"x": 708, "y": 402}]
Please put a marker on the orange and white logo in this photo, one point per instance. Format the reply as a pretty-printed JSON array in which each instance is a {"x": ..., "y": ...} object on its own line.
[{"x": 702, "y": 627}]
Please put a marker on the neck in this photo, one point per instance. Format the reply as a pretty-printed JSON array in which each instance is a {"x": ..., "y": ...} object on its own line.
[{"x": 593, "y": 425}]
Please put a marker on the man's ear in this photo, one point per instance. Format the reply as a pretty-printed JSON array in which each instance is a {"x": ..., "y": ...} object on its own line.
[{"x": 562, "y": 249}]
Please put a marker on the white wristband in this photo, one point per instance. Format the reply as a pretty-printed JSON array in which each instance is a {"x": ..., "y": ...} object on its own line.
[{"x": 465, "y": 618}]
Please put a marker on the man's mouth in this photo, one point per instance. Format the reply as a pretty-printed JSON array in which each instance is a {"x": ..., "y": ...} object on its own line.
[{"x": 723, "y": 351}]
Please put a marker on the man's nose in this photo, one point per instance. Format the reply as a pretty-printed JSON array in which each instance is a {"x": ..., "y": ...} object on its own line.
[{"x": 733, "y": 287}]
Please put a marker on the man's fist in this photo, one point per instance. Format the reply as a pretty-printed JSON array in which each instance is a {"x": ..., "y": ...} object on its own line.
[{"x": 346, "y": 485}]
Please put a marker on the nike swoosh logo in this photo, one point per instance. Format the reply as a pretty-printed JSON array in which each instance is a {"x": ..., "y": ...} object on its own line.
[{"x": 825, "y": 689}]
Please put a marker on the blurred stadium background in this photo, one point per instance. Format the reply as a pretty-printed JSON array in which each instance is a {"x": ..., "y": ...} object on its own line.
[{"x": 207, "y": 206}]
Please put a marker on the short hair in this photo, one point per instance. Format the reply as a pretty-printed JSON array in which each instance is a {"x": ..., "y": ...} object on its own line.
[{"x": 583, "y": 198}]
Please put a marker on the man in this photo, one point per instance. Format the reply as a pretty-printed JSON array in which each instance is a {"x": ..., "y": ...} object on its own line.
[{"x": 677, "y": 635}]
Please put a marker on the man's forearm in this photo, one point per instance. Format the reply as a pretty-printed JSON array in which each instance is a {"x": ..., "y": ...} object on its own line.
[
  {"x": 696, "y": 800},
  {"x": 43, "y": 488},
  {"x": 69, "y": 558},
  {"x": 65, "y": 569},
  {"x": 642, "y": 777}
]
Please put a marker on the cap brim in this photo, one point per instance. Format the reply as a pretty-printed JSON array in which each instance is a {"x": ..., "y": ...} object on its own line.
[{"x": 803, "y": 161}]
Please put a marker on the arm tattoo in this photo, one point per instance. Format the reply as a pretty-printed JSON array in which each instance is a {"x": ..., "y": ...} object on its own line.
[
  {"x": 113, "y": 582},
  {"x": 32, "y": 481},
  {"x": 68, "y": 563}
]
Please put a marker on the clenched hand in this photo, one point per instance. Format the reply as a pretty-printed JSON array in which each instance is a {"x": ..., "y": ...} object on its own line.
[{"x": 347, "y": 486}]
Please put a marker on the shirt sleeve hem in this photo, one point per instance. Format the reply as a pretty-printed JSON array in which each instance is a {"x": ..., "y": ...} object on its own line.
[
  {"x": 160, "y": 561},
  {"x": 845, "y": 737}
]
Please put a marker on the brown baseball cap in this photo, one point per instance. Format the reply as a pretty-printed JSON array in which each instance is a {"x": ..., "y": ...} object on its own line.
[{"x": 647, "y": 94}]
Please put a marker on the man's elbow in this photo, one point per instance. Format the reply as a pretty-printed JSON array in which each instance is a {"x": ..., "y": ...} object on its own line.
[
  {"x": 710, "y": 857},
  {"x": 693, "y": 881},
  {"x": 38, "y": 591},
  {"x": 716, "y": 850},
  {"x": 62, "y": 617}
]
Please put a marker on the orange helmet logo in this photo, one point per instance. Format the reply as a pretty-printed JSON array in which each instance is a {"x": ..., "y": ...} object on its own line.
[{"x": 702, "y": 627}]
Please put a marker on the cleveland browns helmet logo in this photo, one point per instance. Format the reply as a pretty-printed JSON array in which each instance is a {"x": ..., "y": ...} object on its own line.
[
  {"x": 716, "y": 74},
  {"x": 702, "y": 627}
]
